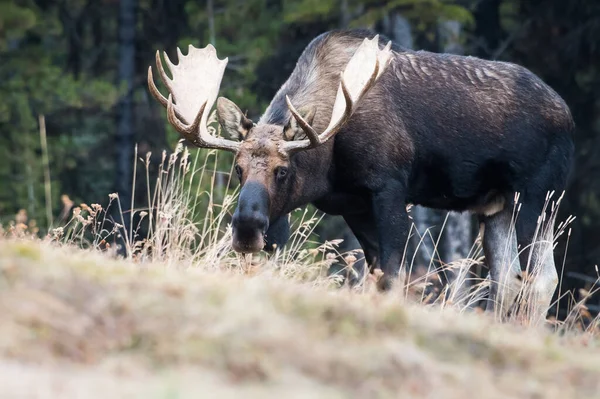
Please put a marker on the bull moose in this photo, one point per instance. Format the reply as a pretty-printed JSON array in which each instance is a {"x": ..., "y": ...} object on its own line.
[{"x": 363, "y": 127}]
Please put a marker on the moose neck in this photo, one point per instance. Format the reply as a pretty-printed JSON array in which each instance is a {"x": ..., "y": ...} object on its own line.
[
  {"x": 313, "y": 83},
  {"x": 313, "y": 169}
]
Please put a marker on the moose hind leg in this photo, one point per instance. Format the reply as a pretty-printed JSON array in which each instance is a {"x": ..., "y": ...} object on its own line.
[
  {"x": 535, "y": 230},
  {"x": 500, "y": 249}
]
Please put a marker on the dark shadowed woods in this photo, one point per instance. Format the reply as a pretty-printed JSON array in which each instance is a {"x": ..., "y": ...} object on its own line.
[{"x": 78, "y": 69}]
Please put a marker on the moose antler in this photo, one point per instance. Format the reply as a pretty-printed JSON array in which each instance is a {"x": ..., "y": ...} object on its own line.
[
  {"x": 362, "y": 71},
  {"x": 192, "y": 93}
]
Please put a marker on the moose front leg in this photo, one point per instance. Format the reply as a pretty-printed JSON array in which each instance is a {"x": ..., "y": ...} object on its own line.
[
  {"x": 363, "y": 227},
  {"x": 278, "y": 234},
  {"x": 391, "y": 219}
]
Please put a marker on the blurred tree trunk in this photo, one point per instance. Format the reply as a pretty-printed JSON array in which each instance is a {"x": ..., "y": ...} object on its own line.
[
  {"x": 488, "y": 31},
  {"x": 98, "y": 60},
  {"x": 210, "y": 11},
  {"x": 397, "y": 28},
  {"x": 125, "y": 122},
  {"x": 345, "y": 14}
]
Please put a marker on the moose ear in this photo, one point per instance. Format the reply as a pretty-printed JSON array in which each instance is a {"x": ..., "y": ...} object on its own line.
[
  {"x": 232, "y": 120},
  {"x": 293, "y": 131}
]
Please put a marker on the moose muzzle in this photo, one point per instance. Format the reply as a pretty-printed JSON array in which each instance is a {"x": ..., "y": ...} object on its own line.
[{"x": 251, "y": 218}]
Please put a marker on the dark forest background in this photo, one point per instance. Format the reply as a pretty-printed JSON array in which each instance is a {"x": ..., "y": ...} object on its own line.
[{"x": 74, "y": 100}]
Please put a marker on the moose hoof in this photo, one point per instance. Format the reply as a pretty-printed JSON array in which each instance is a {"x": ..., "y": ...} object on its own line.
[{"x": 385, "y": 283}]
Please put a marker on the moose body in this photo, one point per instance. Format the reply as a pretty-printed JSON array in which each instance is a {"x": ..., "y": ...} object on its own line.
[{"x": 438, "y": 130}]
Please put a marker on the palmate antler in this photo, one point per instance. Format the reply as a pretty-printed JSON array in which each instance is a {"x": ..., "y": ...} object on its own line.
[
  {"x": 192, "y": 93},
  {"x": 362, "y": 71}
]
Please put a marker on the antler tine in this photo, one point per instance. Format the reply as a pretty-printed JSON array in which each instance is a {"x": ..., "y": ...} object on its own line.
[
  {"x": 169, "y": 63},
  {"x": 312, "y": 135},
  {"x": 196, "y": 133},
  {"x": 154, "y": 90},
  {"x": 190, "y": 132},
  {"x": 315, "y": 139},
  {"x": 163, "y": 75},
  {"x": 165, "y": 79},
  {"x": 386, "y": 50}
]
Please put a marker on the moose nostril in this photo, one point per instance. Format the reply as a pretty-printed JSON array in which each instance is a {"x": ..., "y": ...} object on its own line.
[{"x": 250, "y": 221}]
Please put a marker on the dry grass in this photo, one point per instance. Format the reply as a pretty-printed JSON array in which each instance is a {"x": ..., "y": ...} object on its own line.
[{"x": 80, "y": 317}]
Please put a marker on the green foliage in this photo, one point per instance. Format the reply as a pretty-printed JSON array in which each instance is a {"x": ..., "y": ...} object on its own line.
[
  {"x": 32, "y": 83},
  {"x": 422, "y": 14},
  {"x": 309, "y": 10},
  {"x": 14, "y": 22}
]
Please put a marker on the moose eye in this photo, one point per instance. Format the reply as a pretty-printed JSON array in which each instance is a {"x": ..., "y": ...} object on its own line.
[
  {"x": 281, "y": 172},
  {"x": 238, "y": 171}
]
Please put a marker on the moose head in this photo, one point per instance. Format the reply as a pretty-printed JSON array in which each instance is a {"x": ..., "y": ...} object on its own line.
[{"x": 264, "y": 153}]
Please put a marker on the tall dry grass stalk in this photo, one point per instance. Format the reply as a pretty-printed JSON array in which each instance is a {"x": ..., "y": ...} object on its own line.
[{"x": 46, "y": 165}]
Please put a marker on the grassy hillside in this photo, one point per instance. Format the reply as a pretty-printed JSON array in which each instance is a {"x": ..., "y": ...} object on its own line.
[{"x": 80, "y": 324}]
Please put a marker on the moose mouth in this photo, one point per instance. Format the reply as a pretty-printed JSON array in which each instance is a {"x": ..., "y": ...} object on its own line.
[{"x": 248, "y": 241}]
